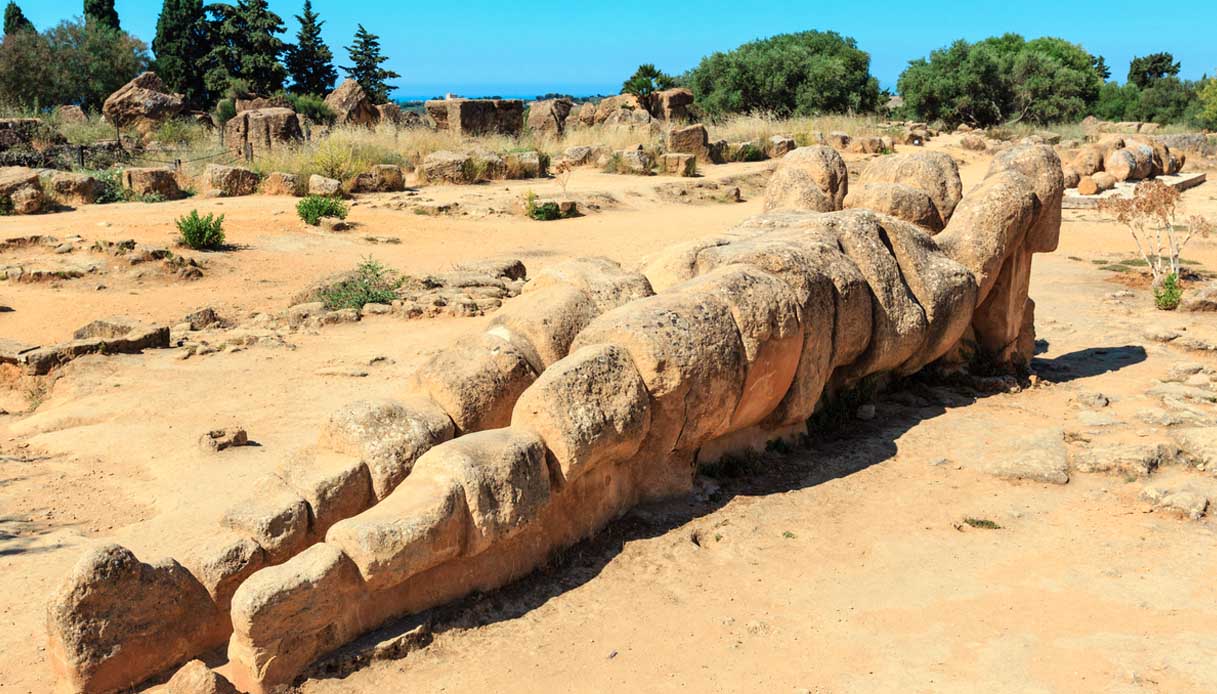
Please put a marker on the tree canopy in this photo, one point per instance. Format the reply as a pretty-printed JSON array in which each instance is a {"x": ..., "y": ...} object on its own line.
[
  {"x": 365, "y": 68},
  {"x": 647, "y": 80},
  {"x": 15, "y": 20},
  {"x": 1003, "y": 78},
  {"x": 76, "y": 62},
  {"x": 790, "y": 74},
  {"x": 245, "y": 49},
  {"x": 1146, "y": 70},
  {"x": 181, "y": 46},
  {"x": 310, "y": 62},
  {"x": 102, "y": 11}
]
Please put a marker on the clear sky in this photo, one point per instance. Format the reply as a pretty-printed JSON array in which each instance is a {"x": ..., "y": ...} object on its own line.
[{"x": 522, "y": 48}]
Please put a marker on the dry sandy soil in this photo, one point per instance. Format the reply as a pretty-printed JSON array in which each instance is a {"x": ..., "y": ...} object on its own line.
[{"x": 845, "y": 567}]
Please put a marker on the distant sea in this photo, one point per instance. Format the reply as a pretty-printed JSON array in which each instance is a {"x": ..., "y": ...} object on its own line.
[{"x": 515, "y": 92}]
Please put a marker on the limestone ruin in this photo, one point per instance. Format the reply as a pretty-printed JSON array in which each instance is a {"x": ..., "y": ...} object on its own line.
[{"x": 596, "y": 389}]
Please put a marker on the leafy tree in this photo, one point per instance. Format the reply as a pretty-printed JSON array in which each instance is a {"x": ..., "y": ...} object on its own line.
[
  {"x": 646, "y": 81},
  {"x": 366, "y": 67},
  {"x": 1003, "y": 78},
  {"x": 181, "y": 45},
  {"x": 76, "y": 62},
  {"x": 102, "y": 11},
  {"x": 790, "y": 74},
  {"x": 310, "y": 62},
  {"x": 1144, "y": 70},
  {"x": 15, "y": 20},
  {"x": 1207, "y": 96},
  {"x": 245, "y": 48},
  {"x": 1100, "y": 66},
  {"x": 1116, "y": 102},
  {"x": 1165, "y": 100}
]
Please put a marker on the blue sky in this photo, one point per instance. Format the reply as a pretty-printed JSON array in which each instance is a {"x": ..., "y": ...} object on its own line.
[{"x": 496, "y": 46}]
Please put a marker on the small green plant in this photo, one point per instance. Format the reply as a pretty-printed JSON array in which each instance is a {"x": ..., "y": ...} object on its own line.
[
  {"x": 111, "y": 185},
  {"x": 542, "y": 212},
  {"x": 201, "y": 233},
  {"x": 982, "y": 523},
  {"x": 6, "y": 206},
  {"x": 750, "y": 152},
  {"x": 312, "y": 208},
  {"x": 226, "y": 110},
  {"x": 370, "y": 283},
  {"x": 1168, "y": 294},
  {"x": 788, "y": 535},
  {"x": 312, "y": 107}
]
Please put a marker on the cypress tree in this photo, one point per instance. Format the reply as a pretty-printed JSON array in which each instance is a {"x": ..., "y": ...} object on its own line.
[
  {"x": 182, "y": 42},
  {"x": 366, "y": 69},
  {"x": 102, "y": 12},
  {"x": 15, "y": 20},
  {"x": 310, "y": 62},
  {"x": 245, "y": 49}
]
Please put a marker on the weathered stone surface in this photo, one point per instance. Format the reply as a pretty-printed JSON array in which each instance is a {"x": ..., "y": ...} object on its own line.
[
  {"x": 387, "y": 435},
  {"x": 382, "y": 178},
  {"x": 274, "y": 516},
  {"x": 336, "y": 486},
  {"x": 688, "y": 351},
  {"x": 677, "y": 164},
  {"x": 898, "y": 200},
  {"x": 279, "y": 183},
  {"x": 935, "y": 173},
  {"x": 473, "y": 117},
  {"x": 320, "y": 185},
  {"x": 672, "y": 105},
  {"x": 142, "y": 103},
  {"x": 504, "y": 477},
  {"x": 1041, "y": 166},
  {"x": 1088, "y": 160},
  {"x": 690, "y": 139},
  {"x": 1198, "y": 446},
  {"x": 21, "y": 188},
  {"x": 221, "y": 562},
  {"x": 217, "y": 440},
  {"x": 975, "y": 143},
  {"x": 158, "y": 182},
  {"x": 448, "y": 167},
  {"x": 808, "y": 178},
  {"x": 549, "y": 116},
  {"x": 196, "y": 678},
  {"x": 991, "y": 221},
  {"x": 590, "y": 408},
  {"x": 114, "y": 335},
  {"x": 229, "y": 181},
  {"x": 476, "y": 381},
  {"x": 262, "y": 131},
  {"x": 74, "y": 188},
  {"x": 531, "y": 164},
  {"x": 778, "y": 146},
  {"x": 422, "y": 524},
  {"x": 71, "y": 114},
  {"x": 1200, "y": 299},
  {"x": 1038, "y": 457},
  {"x": 542, "y": 324},
  {"x": 1186, "y": 502},
  {"x": 636, "y": 161},
  {"x": 766, "y": 312},
  {"x": 352, "y": 105},
  {"x": 309, "y": 597},
  {"x": 604, "y": 280},
  {"x": 115, "y": 620}
]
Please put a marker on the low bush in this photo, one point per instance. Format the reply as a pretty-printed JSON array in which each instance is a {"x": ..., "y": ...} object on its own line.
[
  {"x": 201, "y": 233},
  {"x": 370, "y": 283},
  {"x": 542, "y": 212},
  {"x": 312, "y": 107},
  {"x": 1168, "y": 294},
  {"x": 312, "y": 208},
  {"x": 111, "y": 185}
]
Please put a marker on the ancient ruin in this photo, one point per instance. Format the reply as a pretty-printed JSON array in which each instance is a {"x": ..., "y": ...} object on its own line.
[{"x": 595, "y": 390}]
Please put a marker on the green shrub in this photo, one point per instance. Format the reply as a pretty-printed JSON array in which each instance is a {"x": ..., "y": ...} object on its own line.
[
  {"x": 312, "y": 107},
  {"x": 312, "y": 208},
  {"x": 201, "y": 233},
  {"x": 750, "y": 152},
  {"x": 1168, "y": 295},
  {"x": 543, "y": 212},
  {"x": 111, "y": 185},
  {"x": 225, "y": 111},
  {"x": 370, "y": 283}
]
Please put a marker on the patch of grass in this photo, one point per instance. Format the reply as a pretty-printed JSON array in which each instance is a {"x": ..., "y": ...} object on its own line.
[
  {"x": 750, "y": 152},
  {"x": 370, "y": 283},
  {"x": 788, "y": 535},
  {"x": 1168, "y": 295},
  {"x": 542, "y": 212},
  {"x": 201, "y": 233},
  {"x": 982, "y": 523},
  {"x": 1116, "y": 268},
  {"x": 312, "y": 208}
]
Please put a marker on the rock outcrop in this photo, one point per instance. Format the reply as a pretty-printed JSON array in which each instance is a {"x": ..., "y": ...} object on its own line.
[
  {"x": 471, "y": 117},
  {"x": 261, "y": 131},
  {"x": 143, "y": 103},
  {"x": 352, "y": 105}
]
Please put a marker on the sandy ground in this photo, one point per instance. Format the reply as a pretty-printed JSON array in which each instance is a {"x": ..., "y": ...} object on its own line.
[{"x": 843, "y": 568}]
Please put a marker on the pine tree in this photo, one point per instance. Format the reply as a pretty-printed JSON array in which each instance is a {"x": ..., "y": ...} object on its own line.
[
  {"x": 181, "y": 44},
  {"x": 15, "y": 20},
  {"x": 245, "y": 49},
  {"x": 310, "y": 62},
  {"x": 366, "y": 69},
  {"x": 102, "y": 11}
]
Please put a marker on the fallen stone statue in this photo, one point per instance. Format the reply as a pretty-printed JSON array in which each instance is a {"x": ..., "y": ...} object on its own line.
[{"x": 594, "y": 390}]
